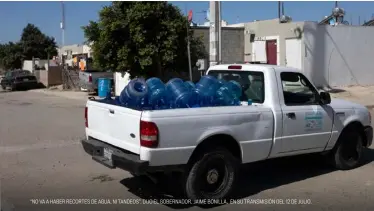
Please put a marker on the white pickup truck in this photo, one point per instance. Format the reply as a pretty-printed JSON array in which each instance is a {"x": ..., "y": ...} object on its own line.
[{"x": 288, "y": 117}]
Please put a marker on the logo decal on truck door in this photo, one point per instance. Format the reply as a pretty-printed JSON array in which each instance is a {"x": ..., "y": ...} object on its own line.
[{"x": 313, "y": 121}]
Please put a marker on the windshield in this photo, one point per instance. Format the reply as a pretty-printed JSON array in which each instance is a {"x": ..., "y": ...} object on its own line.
[{"x": 252, "y": 83}]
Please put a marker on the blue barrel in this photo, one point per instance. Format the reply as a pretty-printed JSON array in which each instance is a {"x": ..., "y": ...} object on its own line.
[{"x": 104, "y": 87}]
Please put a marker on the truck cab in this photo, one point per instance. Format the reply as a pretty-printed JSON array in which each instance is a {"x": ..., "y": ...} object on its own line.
[{"x": 281, "y": 114}]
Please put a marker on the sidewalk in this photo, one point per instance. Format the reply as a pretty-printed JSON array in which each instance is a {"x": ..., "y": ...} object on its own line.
[{"x": 360, "y": 94}]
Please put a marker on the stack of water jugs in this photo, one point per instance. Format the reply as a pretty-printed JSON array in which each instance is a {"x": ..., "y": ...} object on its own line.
[{"x": 153, "y": 94}]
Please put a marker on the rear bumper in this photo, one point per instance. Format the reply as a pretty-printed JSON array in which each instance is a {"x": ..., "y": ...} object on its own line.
[
  {"x": 89, "y": 86},
  {"x": 369, "y": 135},
  {"x": 31, "y": 84},
  {"x": 122, "y": 159}
]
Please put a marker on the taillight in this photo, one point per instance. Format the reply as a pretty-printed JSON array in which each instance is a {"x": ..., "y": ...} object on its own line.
[
  {"x": 148, "y": 134},
  {"x": 90, "y": 78},
  {"x": 86, "y": 116}
]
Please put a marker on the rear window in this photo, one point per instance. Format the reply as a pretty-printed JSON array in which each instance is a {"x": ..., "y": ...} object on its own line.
[
  {"x": 252, "y": 83},
  {"x": 20, "y": 73}
]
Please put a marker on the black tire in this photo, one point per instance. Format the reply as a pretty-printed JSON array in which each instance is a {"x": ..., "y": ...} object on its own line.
[
  {"x": 11, "y": 87},
  {"x": 348, "y": 152},
  {"x": 3, "y": 87},
  {"x": 212, "y": 176}
]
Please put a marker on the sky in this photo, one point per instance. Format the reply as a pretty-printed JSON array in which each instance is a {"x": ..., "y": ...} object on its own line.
[{"x": 15, "y": 15}]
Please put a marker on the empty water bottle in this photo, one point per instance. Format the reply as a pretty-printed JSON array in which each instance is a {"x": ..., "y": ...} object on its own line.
[
  {"x": 236, "y": 88},
  {"x": 221, "y": 82},
  {"x": 180, "y": 95},
  {"x": 157, "y": 97},
  {"x": 190, "y": 85},
  {"x": 134, "y": 94},
  {"x": 229, "y": 94},
  {"x": 206, "y": 89}
]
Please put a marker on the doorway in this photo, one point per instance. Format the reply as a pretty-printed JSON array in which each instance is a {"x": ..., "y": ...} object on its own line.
[{"x": 271, "y": 52}]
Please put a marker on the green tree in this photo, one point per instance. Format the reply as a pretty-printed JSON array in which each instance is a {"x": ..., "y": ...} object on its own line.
[
  {"x": 11, "y": 56},
  {"x": 146, "y": 38},
  {"x": 36, "y": 44}
]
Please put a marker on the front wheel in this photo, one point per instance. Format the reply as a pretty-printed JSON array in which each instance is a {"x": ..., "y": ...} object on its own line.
[
  {"x": 212, "y": 176},
  {"x": 348, "y": 153}
]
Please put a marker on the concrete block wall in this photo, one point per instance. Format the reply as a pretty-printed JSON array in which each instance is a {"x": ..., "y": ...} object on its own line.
[
  {"x": 340, "y": 55},
  {"x": 232, "y": 42}
]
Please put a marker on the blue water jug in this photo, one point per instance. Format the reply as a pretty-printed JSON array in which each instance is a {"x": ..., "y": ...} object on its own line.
[
  {"x": 104, "y": 86},
  {"x": 190, "y": 85},
  {"x": 221, "y": 82},
  {"x": 236, "y": 88},
  {"x": 134, "y": 95},
  {"x": 206, "y": 89},
  {"x": 157, "y": 98},
  {"x": 180, "y": 95},
  {"x": 228, "y": 94}
]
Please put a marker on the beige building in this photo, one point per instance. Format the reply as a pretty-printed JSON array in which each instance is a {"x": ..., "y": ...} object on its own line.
[{"x": 329, "y": 55}]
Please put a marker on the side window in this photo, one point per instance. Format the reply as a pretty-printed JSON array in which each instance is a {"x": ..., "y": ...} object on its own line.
[{"x": 297, "y": 90}]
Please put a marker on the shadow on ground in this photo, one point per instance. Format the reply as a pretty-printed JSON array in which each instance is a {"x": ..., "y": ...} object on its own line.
[
  {"x": 335, "y": 90},
  {"x": 255, "y": 178}
]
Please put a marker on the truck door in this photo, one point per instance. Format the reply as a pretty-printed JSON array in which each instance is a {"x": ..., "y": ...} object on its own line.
[{"x": 307, "y": 124}]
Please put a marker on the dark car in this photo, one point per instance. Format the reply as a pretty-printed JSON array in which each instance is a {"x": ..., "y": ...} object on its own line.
[{"x": 19, "y": 79}]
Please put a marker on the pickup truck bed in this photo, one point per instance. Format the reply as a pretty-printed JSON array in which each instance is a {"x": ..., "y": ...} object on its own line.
[
  {"x": 207, "y": 144},
  {"x": 88, "y": 79}
]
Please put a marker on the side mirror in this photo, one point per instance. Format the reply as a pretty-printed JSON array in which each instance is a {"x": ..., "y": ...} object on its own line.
[{"x": 325, "y": 98}]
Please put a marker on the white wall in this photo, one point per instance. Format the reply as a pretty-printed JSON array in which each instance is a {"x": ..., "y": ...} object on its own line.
[
  {"x": 28, "y": 64},
  {"x": 121, "y": 80},
  {"x": 340, "y": 55}
]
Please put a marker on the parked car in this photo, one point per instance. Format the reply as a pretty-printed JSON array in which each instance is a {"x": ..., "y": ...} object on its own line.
[
  {"x": 206, "y": 145},
  {"x": 88, "y": 79},
  {"x": 19, "y": 79}
]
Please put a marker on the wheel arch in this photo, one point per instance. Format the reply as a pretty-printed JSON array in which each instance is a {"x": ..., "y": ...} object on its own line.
[
  {"x": 355, "y": 125},
  {"x": 224, "y": 140}
]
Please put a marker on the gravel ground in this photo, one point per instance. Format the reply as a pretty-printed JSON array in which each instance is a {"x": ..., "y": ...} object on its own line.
[{"x": 41, "y": 158}]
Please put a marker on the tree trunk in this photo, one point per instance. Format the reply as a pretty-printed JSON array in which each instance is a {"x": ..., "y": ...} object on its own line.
[{"x": 159, "y": 69}]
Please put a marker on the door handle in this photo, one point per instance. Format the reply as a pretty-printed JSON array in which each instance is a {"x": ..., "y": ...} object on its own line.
[
  {"x": 291, "y": 115},
  {"x": 111, "y": 111}
]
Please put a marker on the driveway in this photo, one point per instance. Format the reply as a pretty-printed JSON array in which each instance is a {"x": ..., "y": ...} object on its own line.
[{"x": 41, "y": 158}]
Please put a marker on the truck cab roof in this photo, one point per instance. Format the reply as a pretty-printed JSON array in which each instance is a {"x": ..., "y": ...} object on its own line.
[{"x": 252, "y": 67}]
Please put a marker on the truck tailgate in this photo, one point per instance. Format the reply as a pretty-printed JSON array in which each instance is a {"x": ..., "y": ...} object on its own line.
[
  {"x": 114, "y": 125},
  {"x": 83, "y": 76}
]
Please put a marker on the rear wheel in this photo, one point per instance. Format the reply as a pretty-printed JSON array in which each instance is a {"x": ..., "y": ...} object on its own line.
[
  {"x": 212, "y": 176},
  {"x": 348, "y": 153},
  {"x": 11, "y": 87}
]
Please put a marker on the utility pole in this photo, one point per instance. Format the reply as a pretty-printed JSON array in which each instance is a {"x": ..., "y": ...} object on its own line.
[
  {"x": 214, "y": 32},
  {"x": 62, "y": 25},
  {"x": 189, "y": 20},
  {"x": 219, "y": 33}
]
